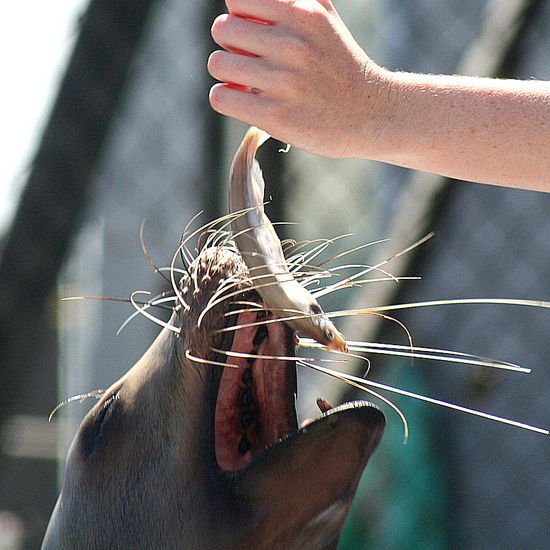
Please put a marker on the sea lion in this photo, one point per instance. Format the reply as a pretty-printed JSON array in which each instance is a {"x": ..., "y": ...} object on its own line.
[{"x": 182, "y": 453}]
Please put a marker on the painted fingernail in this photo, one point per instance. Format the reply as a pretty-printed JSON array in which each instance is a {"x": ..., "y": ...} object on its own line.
[{"x": 238, "y": 87}]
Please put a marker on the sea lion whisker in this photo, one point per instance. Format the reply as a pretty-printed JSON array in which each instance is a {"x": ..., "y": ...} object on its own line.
[
  {"x": 196, "y": 359},
  {"x": 401, "y": 325},
  {"x": 214, "y": 236},
  {"x": 287, "y": 244},
  {"x": 154, "y": 302},
  {"x": 305, "y": 343},
  {"x": 362, "y": 282},
  {"x": 185, "y": 254},
  {"x": 256, "y": 306},
  {"x": 359, "y": 384},
  {"x": 235, "y": 235},
  {"x": 258, "y": 323},
  {"x": 309, "y": 255},
  {"x": 186, "y": 237},
  {"x": 377, "y": 266},
  {"x": 313, "y": 269},
  {"x": 344, "y": 313},
  {"x": 107, "y": 299},
  {"x": 306, "y": 259},
  {"x": 294, "y": 249},
  {"x": 80, "y": 397},
  {"x": 312, "y": 273},
  {"x": 143, "y": 311},
  {"x": 346, "y": 282},
  {"x": 152, "y": 263},
  {"x": 208, "y": 234},
  {"x": 336, "y": 269},
  {"x": 298, "y": 315},
  {"x": 443, "y": 355},
  {"x": 226, "y": 286},
  {"x": 465, "y": 301},
  {"x": 352, "y": 250},
  {"x": 418, "y": 352},
  {"x": 320, "y": 246},
  {"x": 446, "y": 404},
  {"x": 222, "y": 294},
  {"x": 381, "y": 345},
  {"x": 387, "y": 318},
  {"x": 251, "y": 307},
  {"x": 244, "y": 355},
  {"x": 228, "y": 219},
  {"x": 194, "y": 278},
  {"x": 175, "y": 286},
  {"x": 217, "y": 238},
  {"x": 187, "y": 227}
]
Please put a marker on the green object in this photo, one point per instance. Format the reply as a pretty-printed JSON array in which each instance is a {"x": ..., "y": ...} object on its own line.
[{"x": 401, "y": 501}]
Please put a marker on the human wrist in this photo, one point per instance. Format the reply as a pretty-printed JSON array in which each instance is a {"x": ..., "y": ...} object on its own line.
[{"x": 379, "y": 106}]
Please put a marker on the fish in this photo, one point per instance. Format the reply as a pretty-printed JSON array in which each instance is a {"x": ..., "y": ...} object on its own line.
[{"x": 261, "y": 249}]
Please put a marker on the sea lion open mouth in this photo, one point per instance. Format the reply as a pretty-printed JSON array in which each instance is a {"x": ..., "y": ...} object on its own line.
[
  {"x": 255, "y": 405},
  {"x": 255, "y": 401}
]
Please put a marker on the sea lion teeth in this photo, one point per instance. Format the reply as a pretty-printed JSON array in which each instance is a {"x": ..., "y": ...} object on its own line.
[
  {"x": 246, "y": 398},
  {"x": 244, "y": 445},
  {"x": 260, "y": 336},
  {"x": 247, "y": 418},
  {"x": 247, "y": 376}
]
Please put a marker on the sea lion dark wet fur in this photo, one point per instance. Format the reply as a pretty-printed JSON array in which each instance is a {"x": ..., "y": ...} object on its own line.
[{"x": 184, "y": 455}]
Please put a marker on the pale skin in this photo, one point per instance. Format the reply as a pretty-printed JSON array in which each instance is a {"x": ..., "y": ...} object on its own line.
[{"x": 305, "y": 80}]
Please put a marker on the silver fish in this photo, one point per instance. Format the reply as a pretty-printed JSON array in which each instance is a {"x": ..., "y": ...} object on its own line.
[{"x": 261, "y": 250}]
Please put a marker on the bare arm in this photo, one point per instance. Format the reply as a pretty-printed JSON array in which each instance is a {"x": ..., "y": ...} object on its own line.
[
  {"x": 308, "y": 83},
  {"x": 483, "y": 130}
]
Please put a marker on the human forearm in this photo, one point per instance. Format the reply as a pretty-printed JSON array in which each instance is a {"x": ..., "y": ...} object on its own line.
[{"x": 484, "y": 130}]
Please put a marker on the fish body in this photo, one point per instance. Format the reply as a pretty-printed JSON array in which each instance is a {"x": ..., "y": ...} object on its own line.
[{"x": 261, "y": 249}]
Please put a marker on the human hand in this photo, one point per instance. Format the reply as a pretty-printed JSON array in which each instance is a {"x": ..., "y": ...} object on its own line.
[{"x": 300, "y": 75}]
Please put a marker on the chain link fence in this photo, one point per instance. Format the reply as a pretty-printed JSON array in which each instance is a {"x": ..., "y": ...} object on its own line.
[{"x": 459, "y": 482}]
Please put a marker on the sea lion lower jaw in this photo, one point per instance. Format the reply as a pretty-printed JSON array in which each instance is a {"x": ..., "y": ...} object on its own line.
[{"x": 182, "y": 454}]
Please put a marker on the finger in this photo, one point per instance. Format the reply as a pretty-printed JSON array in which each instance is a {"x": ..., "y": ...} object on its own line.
[
  {"x": 275, "y": 11},
  {"x": 251, "y": 72},
  {"x": 263, "y": 10},
  {"x": 249, "y": 107},
  {"x": 235, "y": 33}
]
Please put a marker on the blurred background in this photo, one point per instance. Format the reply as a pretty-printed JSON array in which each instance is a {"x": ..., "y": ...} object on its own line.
[{"x": 106, "y": 123}]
